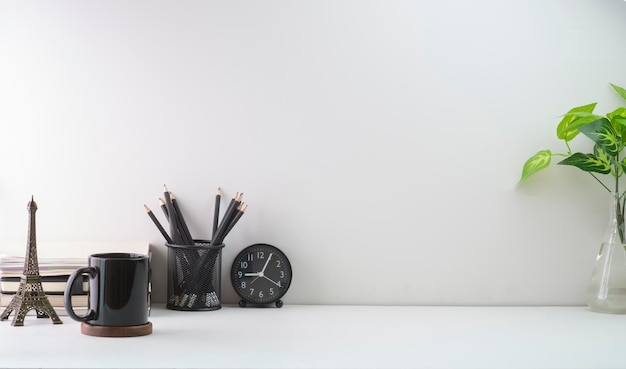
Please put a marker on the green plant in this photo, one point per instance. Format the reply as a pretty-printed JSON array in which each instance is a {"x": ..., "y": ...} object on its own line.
[{"x": 608, "y": 134}]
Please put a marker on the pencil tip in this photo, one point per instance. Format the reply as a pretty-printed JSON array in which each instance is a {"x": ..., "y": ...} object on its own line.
[{"x": 146, "y": 207}]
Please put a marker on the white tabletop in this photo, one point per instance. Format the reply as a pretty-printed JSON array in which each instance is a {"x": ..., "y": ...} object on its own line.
[{"x": 298, "y": 336}]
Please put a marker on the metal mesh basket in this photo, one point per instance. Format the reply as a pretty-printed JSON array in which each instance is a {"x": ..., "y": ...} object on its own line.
[{"x": 194, "y": 275}]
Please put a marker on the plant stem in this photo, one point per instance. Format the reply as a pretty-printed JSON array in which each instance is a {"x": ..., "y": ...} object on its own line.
[
  {"x": 619, "y": 215},
  {"x": 620, "y": 200},
  {"x": 599, "y": 181}
]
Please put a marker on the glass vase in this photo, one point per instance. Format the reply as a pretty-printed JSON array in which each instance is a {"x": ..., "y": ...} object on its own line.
[{"x": 606, "y": 292}]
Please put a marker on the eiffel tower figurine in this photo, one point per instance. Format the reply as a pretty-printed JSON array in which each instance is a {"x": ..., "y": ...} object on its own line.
[{"x": 30, "y": 294}]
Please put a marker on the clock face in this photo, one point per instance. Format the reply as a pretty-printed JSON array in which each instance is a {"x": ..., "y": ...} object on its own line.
[{"x": 261, "y": 274}]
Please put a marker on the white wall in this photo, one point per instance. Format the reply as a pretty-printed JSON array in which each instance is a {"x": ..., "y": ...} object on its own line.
[{"x": 378, "y": 143}]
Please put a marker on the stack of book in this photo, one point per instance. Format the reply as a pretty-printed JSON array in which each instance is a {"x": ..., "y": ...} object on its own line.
[
  {"x": 55, "y": 267},
  {"x": 54, "y": 274}
]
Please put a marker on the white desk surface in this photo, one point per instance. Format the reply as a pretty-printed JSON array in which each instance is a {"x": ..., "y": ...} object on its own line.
[{"x": 298, "y": 336}]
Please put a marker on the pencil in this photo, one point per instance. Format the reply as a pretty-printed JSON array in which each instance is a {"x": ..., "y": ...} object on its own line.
[
  {"x": 228, "y": 218},
  {"x": 186, "y": 235},
  {"x": 158, "y": 225},
  {"x": 216, "y": 211},
  {"x": 164, "y": 208},
  {"x": 240, "y": 210},
  {"x": 172, "y": 217}
]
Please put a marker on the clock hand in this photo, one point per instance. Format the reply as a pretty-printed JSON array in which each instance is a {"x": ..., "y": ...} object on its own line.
[
  {"x": 260, "y": 274},
  {"x": 276, "y": 283},
  {"x": 267, "y": 262},
  {"x": 257, "y": 275}
]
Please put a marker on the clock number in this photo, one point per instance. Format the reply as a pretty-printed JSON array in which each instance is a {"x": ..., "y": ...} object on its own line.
[
  {"x": 239, "y": 274},
  {"x": 251, "y": 291},
  {"x": 260, "y": 255},
  {"x": 277, "y": 263},
  {"x": 261, "y": 294},
  {"x": 243, "y": 284},
  {"x": 282, "y": 274},
  {"x": 271, "y": 291},
  {"x": 244, "y": 265},
  {"x": 250, "y": 257}
]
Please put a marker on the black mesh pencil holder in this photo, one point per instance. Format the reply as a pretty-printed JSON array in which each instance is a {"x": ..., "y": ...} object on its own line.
[{"x": 194, "y": 276}]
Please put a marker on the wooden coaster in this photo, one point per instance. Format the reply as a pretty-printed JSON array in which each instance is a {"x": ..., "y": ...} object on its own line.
[{"x": 108, "y": 331}]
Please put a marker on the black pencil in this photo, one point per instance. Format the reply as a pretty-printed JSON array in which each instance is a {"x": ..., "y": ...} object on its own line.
[
  {"x": 228, "y": 218},
  {"x": 216, "y": 211},
  {"x": 159, "y": 226},
  {"x": 232, "y": 205},
  {"x": 164, "y": 208},
  {"x": 186, "y": 235},
  {"x": 175, "y": 234},
  {"x": 240, "y": 210},
  {"x": 232, "y": 208}
]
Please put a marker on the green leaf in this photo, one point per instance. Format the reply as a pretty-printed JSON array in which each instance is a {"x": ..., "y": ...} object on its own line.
[
  {"x": 588, "y": 162},
  {"x": 619, "y": 112},
  {"x": 621, "y": 131},
  {"x": 602, "y": 133},
  {"x": 602, "y": 156},
  {"x": 620, "y": 90},
  {"x": 536, "y": 163},
  {"x": 568, "y": 127},
  {"x": 579, "y": 119},
  {"x": 618, "y": 121}
]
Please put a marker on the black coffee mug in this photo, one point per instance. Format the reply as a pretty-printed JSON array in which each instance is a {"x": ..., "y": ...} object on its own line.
[{"x": 118, "y": 290}]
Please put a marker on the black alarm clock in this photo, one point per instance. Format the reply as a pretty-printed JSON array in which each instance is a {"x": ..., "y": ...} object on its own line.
[{"x": 261, "y": 275}]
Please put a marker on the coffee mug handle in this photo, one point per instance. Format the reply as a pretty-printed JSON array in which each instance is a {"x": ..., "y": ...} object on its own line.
[{"x": 67, "y": 296}]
